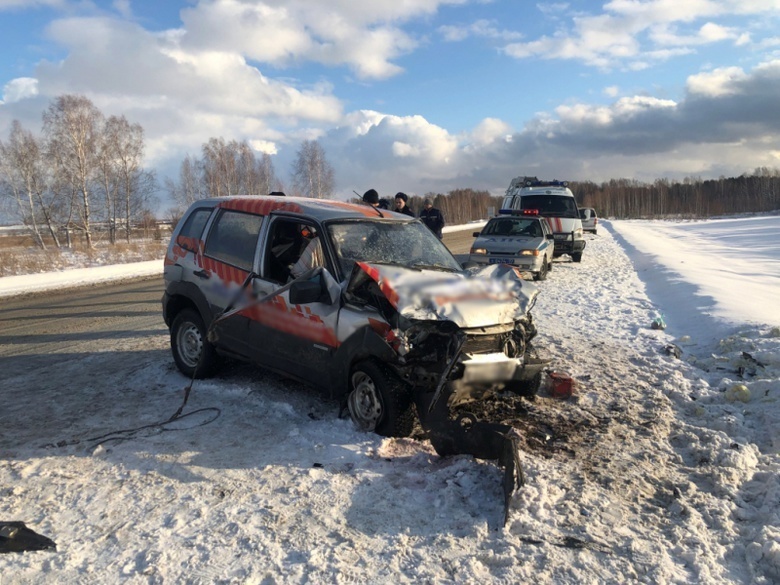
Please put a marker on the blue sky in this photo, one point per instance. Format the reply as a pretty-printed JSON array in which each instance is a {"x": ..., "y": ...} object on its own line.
[{"x": 418, "y": 95}]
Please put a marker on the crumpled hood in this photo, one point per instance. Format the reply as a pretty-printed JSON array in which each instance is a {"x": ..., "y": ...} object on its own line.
[{"x": 490, "y": 295}]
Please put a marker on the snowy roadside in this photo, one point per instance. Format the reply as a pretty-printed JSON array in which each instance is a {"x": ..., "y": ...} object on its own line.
[{"x": 655, "y": 473}]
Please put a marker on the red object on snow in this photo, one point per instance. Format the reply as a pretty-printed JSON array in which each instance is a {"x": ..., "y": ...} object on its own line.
[{"x": 561, "y": 385}]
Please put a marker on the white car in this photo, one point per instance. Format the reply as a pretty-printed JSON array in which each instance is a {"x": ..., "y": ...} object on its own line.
[
  {"x": 589, "y": 219},
  {"x": 521, "y": 239}
]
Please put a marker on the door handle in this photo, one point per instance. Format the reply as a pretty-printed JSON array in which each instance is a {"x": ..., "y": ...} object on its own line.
[{"x": 202, "y": 273}]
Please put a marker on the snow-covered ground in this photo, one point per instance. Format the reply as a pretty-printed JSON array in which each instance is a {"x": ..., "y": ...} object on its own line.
[{"x": 662, "y": 469}]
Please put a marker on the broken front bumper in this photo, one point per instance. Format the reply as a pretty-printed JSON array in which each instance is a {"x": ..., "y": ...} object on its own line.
[
  {"x": 495, "y": 368},
  {"x": 464, "y": 433}
]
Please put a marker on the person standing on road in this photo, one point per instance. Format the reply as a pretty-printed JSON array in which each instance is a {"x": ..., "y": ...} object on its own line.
[
  {"x": 400, "y": 204},
  {"x": 432, "y": 217}
]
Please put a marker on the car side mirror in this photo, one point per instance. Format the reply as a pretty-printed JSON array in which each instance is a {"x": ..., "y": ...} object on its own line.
[
  {"x": 476, "y": 234},
  {"x": 319, "y": 287},
  {"x": 303, "y": 292},
  {"x": 550, "y": 236}
]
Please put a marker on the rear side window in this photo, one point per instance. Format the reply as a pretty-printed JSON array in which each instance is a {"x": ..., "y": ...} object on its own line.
[
  {"x": 233, "y": 238},
  {"x": 194, "y": 224}
]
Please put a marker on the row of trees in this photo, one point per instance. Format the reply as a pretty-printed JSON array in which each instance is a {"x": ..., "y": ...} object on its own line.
[
  {"x": 87, "y": 170},
  {"x": 84, "y": 170},
  {"x": 232, "y": 168},
  {"x": 692, "y": 197},
  {"x": 630, "y": 199}
]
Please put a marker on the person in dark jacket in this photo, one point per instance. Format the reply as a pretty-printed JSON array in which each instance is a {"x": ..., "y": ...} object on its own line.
[
  {"x": 371, "y": 197},
  {"x": 432, "y": 217},
  {"x": 400, "y": 204}
]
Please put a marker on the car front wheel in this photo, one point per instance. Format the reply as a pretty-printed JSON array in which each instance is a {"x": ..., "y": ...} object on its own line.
[
  {"x": 542, "y": 273},
  {"x": 379, "y": 401},
  {"x": 194, "y": 355}
]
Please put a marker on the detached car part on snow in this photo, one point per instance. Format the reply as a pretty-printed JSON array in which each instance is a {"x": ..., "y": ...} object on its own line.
[{"x": 364, "y": 303}]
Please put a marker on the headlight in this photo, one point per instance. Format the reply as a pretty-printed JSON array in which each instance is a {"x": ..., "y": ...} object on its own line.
[
  {"x": 478, "y": 251},
  {"x": 528, "y": 252},
  {"x": 578, "y": 232}
]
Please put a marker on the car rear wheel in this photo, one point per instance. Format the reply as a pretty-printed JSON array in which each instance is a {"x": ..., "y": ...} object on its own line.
[
  {"x": 194, "y": 355},
  {"x": 379, "y": 401}
]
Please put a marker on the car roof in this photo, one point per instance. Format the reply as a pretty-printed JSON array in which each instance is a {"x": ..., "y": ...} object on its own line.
[
  {"x": 546, "y": 190},
  {"x": 320, "y": 209}
]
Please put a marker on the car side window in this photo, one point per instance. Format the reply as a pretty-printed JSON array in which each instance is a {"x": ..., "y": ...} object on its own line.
[
  {"x": 233, "y": 238},
  {"x": 194, "y": 224},
  {"x": 294, "y": 247}
]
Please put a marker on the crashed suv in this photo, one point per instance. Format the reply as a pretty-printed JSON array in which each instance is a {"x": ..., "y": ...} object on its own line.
[{"x": 363, "y": 303}]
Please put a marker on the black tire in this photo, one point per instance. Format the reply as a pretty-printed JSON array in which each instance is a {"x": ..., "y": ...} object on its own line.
[
  {"x": 194, "y": 355},
  {"x": 542, "y": 273},
  {"x": 379, "y": 401},
  {"x": 577, "y": 257},
  {"x": 550, "y": 264}
]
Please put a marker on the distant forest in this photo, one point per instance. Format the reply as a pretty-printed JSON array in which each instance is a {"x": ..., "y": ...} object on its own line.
[{"x": 631, "y": 199}]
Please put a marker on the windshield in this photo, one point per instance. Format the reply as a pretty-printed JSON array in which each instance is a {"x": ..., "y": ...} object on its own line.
[
  {"x": 409, "y": 244},
  {"x": 550, "y": 205},
  {"x": 512, "y": 226}
]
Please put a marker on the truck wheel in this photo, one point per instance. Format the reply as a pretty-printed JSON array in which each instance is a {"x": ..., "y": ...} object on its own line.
[
  {"x": 542, "y": 273},
  {"x": 577, "y": 257},
  {"x": 380, "y": 402},
  {"x": 194, "y": 355}
]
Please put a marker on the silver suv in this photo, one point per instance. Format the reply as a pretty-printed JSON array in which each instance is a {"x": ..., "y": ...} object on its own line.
[{"x": 364, "y": 303}]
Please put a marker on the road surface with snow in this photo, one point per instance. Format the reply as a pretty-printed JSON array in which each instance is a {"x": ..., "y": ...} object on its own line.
[{"x": 660, "y": 470}]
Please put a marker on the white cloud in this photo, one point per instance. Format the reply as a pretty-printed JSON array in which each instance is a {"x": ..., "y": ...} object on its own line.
[
  {"x": 633, "y": 34},
  {"x": 263, "y": 146},
  {"x": 123, "y": 7},
  {"x": 19, "y": 89},
  {"x": 720, "y": 82},
  {"x": 612, "y": 90},
  {"x": 362, "y": 36},
  {"x": 490, "y": 130},
  {"x": 480, "y": 28}
]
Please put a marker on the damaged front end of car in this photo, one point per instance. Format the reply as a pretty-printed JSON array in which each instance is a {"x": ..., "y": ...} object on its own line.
[{"x": 457, "y": 339}]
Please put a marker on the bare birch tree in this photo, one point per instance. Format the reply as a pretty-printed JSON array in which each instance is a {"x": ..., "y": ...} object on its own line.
[
  {"x": 22, "y": 176},
  {"x": 73, "y": 126},
  {"x": 312, "y": 175},
  {"x": 190, "y": 186}
]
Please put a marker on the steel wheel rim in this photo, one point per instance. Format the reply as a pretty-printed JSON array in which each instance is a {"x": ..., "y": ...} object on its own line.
[
  {"x": 190, "y": 344},
  {"x": 365, "y": 405}
]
